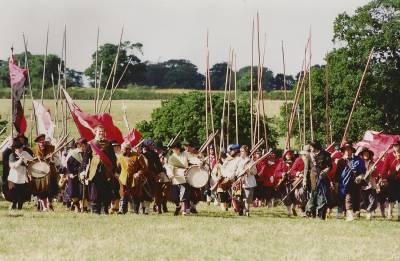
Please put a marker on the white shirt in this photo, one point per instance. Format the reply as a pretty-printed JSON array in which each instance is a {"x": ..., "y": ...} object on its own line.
[
  {"x": 249, "y": 179},
  {"x": 230, "y": 167},
  {"x": 177, "y": 174},
  {"x": 18, "y": 170}
]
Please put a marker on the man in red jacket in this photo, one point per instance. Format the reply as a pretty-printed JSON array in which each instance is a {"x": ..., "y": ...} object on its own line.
[
  {"x": 391, "y": 171},
  {"x": 265, "y": 178}
]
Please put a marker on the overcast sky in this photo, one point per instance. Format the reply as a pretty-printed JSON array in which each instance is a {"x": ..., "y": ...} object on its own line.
[{"x": 174, "y": 28}]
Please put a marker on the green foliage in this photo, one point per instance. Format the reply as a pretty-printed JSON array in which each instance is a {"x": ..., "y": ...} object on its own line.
[
  {"x": 174, "y": 73},
  {"x": 186, "y": 113},
  {"x": 376, "y": 25},
  {"x": 35, "y": 63},
  {"x": 107, "y": 52}
]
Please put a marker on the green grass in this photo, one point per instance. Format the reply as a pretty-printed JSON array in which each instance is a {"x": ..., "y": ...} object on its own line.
[{"x": 211, "y": 235}]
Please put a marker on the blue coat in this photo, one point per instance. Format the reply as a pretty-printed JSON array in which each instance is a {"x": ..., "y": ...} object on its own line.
[{"x": 347, "y": 170}]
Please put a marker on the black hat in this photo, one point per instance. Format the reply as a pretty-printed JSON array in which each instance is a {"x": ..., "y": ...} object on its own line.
[
  {"x": 346, "y": 145},
  {"x": 17, "y": 145},
  {"x": 81, "y": 141},
  {"x": 39, "y": 137},
  {"x": 115, "y": 143},
  {"x": 316, "y": 145},
  {"x": 176, "y": 144},
  {"x": 397, "y": 143}
]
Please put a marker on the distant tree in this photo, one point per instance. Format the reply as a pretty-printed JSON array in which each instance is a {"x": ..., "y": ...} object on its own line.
[
  {"x": 279, "y": 79},
  {"x": 218, "y": 75},
  {"x": 107, "y": 52},
  {"x": 244, "y": 76}
]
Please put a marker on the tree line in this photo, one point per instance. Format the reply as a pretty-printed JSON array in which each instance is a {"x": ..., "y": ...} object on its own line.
[{"x": 174, "y": 73}]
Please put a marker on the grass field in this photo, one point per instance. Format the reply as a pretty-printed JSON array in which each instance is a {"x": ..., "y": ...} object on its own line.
[
  {"x": 137, "y": 110},
  {"x": 211, "y": 235}
]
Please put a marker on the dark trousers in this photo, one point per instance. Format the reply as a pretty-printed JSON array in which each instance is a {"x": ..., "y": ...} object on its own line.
[
  {"x": 353, "y": 197},
  {"x": 369, "y": 199}
]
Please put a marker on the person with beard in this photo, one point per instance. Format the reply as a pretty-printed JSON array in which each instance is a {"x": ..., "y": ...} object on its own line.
[{"x": 100, "y": 161}]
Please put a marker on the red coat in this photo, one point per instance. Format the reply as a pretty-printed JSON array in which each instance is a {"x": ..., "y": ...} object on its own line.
[
  {"x": 392, "y": 168},
  {"x": 298, "y": 166},
  {"x": 265, "y": 173},
  {"x": 281, "y": 168},
  {"x": 334, "y": 156},
  {"x": 389, "y": 159}
]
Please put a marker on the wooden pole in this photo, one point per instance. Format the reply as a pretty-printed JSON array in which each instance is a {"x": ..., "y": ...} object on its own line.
[
  {"x": 236, "y": 106},
  {"x": 65, "y": 78},
  {"x": 12, "y": 101},
  {"x": 206, "y": 88},
  {"x": 55, "y": 117},
  {"x": 310, "y": 91},
  {"x": 229, "y": 99},
  {"x": 112, "y": 74},
  {"x": 328, "y": 129},
  {"x": 211, "y": 104},
  {"x": 251, "y": 86},
  {"x": 221, "y": 140},
  {"x": 262, "y": 95},
  {"x": 357, "y": 95},
  {"x": 95, "y": 70},
  {"x": 29, "y": 81},
  {"x": 258, "y": 76},
  {"x": 44, "y": 65},
  {"x": 116, "y": 64},
  {"x": 285, "y": 93}
]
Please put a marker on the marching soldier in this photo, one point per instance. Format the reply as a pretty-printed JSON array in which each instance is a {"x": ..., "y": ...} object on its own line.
[
  {"x": 350, "y": 172},
  {"x": 392, "y": 173},
  {"x": 99, "y": 162},
  {"x": 316, "y": 181}
]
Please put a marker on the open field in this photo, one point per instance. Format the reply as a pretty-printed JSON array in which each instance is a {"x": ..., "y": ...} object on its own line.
[
  {"x": 211, "y": 235},
  {"x": 137, "y": 110}
]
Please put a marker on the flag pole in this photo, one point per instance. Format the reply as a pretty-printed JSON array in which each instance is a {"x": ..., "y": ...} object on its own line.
[
  {"x": 29, "y": 81},
  {"x": 12, "y": 100},
  {"x": 95, "y": 71}
]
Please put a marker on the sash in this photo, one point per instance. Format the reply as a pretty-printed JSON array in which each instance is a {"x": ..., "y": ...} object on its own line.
[{"x": 99, "y": 156}]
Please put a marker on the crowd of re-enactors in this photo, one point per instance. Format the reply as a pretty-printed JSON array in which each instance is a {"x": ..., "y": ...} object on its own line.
[{"x": 105, "y": 177}]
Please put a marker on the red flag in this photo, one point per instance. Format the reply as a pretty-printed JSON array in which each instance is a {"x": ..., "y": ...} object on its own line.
[
  {"x": 133, "y": 137},
  {"x": 17, "y": 80},
  {"x": 377, "y": 142},
  {"x": 86, "y": 122}
]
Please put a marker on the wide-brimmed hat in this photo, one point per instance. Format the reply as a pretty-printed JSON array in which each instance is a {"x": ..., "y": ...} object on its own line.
[
  {"x": 39, "y": 137},
  {"x": 397, "y": 143},
  {"x": 81, "y": 141},
  {"x": 362, "y": 149}
]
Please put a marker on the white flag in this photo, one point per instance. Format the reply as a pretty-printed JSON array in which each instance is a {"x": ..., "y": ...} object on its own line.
[{"x": 44, "y": 123}]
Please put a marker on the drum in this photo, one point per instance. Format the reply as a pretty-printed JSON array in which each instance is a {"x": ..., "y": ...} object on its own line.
[
  {"x": 40, "y": 173},
  {"x": 196, "y": 176}
]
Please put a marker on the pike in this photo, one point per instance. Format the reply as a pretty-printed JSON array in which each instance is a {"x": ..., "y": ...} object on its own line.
[
  {"x": 285, "y": 92},
  {"x": 221, "y": 140},
  {"x": 309, "y": 92},
  {"x": 256, "y": 147},
  {"x": 44, "y": 64},
  {"x": 173, "y": 140},
  {"x": 251, "y": 86},
  {"x": 95, "y": 70},
  {"x": 208, "y": 141},
  {"x": 357, "y": 95}
]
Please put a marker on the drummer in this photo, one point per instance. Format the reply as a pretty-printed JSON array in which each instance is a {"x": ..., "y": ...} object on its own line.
[
  {"x": 41, "y": 150},
  {"x": 18, "y": 188},
  {"x": 193, "y": 158}
]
